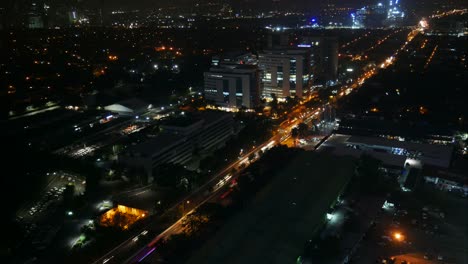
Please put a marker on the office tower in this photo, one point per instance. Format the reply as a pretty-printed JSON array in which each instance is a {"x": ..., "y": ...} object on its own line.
[
  {"x": 233, "y": 86},
  {"x": 325, "y": 56},
  {"x": 285, "y": 72}
]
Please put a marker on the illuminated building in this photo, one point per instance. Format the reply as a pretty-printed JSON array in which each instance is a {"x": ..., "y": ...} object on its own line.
[
  {"x": 325, "y": 56},
  {"x": 285, "y": 72},
  {"x": 178, "y": 139},
  {"x": 233, "y": 86},
  {"x": 129, "y": 107},
  {"x": 370, "y": 16},
  {"x": 162, "y": 149},
  {"x": 122, "y": 216},
  {"x": 35, "y": 17},
  {"x": 379, "y": 15},
  {"x": 233, "y": 81},
  {"x": 333, "y": 15}
]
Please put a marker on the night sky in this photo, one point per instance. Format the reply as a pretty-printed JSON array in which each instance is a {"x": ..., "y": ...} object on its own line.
[
  {"x": 255, "y": 4},
  {"x": 301, "y": 5}
]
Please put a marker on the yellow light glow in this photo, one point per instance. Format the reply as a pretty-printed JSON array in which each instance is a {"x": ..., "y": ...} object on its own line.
[{"x": 398, "y": 236}]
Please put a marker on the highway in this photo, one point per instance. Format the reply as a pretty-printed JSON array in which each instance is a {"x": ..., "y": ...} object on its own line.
[
  {"x": 213, "y": 187},
  {"x": 198, "y": 197},
  {"x": 203, "y": 194}
]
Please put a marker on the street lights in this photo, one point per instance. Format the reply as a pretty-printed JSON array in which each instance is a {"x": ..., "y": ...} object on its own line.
[{"x": 398, "y": 236}]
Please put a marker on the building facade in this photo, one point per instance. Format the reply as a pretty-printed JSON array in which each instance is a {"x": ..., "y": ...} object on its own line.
[
  {"x": 164, "y": 148},
  {"x": 233, "y": 86},
  {"x": 178, "y": 140},
  {"x": 286, "y": 72},
  {"x": 325, "y": 56}
]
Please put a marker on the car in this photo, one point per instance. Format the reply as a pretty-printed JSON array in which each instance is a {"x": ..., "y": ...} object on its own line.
[
  {"x": 387, "y": 238},
  {"x": 107, "y": 260},
  {"x": 440, "y": 257},
  {"x": 427, "y": 256}
]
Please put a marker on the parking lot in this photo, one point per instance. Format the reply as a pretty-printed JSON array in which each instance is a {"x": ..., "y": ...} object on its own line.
[{"x": 34, "y": 214}]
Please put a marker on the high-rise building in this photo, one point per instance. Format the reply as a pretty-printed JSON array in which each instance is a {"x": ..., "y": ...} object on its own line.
[
  {"x": 286, "y": 72},
  {"x": 370, "y": 16},
  {"x": 379, "y": 15},
  {"x": 178, "y": 139},
  {"x": 325, "y": 56},
  {"x": 233, "y": 86},
  {"x": 36, "y": 15}
]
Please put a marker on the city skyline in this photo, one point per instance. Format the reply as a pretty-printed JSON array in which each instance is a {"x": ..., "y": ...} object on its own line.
[{"x": 249, "y": 132}]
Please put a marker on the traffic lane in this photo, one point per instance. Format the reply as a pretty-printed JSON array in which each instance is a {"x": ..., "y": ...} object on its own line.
[
  {"x": 199, "y": 193},
  {"x": 151, "y": 255},
  {"x": 290, "y": 126},
  {"x": 194, "y": 198}
]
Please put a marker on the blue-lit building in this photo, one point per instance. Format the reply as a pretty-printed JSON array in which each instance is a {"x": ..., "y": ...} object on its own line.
[{"x": 379, "y": 15}]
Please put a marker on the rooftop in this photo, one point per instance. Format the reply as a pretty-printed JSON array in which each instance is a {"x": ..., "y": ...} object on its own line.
[
  {"x": 213, "y": 116},
  {"x": 163, "y": 141},
  {"x": 374, "y": 126},
  {"x": 180, "y": 121},
  {"x": 431, "y": 153}
]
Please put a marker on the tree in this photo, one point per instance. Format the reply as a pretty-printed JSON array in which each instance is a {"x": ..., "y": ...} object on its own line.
[
  {"x": 251, "y": 157},
  {"x": 274, "y": 103},
  {"x": 173, "y": 175},
  {"x": 294, "y": 134},
  {"x": 193, "y": 223},
  {"x": 302, "y": 129},
  {"x": 233, "y": 171},
  {"x": 370, "y": 177}
]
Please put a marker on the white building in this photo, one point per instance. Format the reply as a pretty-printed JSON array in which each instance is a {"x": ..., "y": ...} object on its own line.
[
  {"x": 164, "y": 148},
  {"x": 285, "y": 72},
  {"x": 233, "y": 86},
  {"x": 132, "y": 106},
  {"x": 179, "y": 139}
]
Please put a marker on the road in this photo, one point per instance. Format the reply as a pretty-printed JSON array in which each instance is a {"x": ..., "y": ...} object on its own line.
[
  {"x": 213, "y": 187},
  {"x": 198, "y": 197}
]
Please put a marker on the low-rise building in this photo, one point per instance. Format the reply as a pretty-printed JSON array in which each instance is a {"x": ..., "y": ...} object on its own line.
[
  {"x": 180, "y": 137},
  {"x": 132, "y": 106},
  {"x": 205, "y": 129},
  {"x": 164, "y": 148},
  {"x": 390, "y": 152}
]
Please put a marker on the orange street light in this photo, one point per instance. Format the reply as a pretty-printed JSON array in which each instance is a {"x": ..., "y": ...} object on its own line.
[{"x": 398, "y": 236}]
